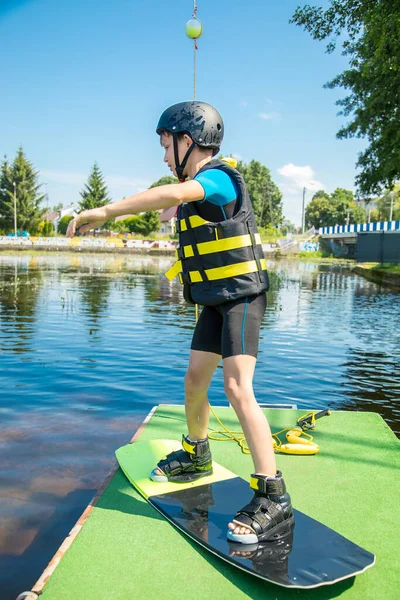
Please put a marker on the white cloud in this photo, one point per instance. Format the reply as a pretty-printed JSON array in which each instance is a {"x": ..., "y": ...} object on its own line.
[
  {"x": 299, "y": 177},
  {"x": 237, "y": 156},
  {"x": 269, "y": 116},
  {"x": 296, "y": 178},
  {"x": 243, "y": 102}
]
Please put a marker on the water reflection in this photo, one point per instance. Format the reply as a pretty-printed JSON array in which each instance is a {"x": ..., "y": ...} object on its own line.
[
  {"x": 19, "y": 294},
  {"x": 90, "y": 342}
]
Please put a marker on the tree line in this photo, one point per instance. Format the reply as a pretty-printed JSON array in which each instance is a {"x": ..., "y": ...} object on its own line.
[
  {"x": 265, "y": 195},
  {"x": 19, "y": 181},
  {"x": 340, "y": 208}
]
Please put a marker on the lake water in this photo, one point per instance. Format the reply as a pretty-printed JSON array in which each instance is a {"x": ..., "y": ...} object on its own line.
[{"x": 89, "y": 343}]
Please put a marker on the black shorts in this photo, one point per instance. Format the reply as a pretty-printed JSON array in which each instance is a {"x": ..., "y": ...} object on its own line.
[{"x": 231, "y": 328}]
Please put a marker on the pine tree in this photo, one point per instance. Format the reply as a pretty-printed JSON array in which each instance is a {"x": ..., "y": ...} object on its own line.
[
  {"x": 28, "y": 198},
  {"x": 95, "y": 193},
  {"x": 6, "y": 194}
]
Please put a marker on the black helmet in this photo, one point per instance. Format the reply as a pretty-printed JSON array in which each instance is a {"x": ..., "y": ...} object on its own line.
[{"x": 201, "y": 121}]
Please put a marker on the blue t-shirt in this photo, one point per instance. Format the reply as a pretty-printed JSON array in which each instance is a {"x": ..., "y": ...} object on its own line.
[{"x": 220, "y": 195}]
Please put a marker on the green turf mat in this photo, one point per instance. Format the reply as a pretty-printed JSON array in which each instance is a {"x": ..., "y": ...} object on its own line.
[{"x": 126, "y": 550}]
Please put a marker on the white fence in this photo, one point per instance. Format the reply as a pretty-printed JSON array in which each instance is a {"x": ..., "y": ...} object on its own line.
[{"x": 361, "y": 227}]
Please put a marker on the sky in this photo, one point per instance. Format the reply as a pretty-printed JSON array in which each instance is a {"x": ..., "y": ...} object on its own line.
[{"x": 85, "y": 81}]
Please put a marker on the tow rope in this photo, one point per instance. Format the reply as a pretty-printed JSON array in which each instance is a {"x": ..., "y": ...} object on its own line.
[{"x": 299, "y": 442}]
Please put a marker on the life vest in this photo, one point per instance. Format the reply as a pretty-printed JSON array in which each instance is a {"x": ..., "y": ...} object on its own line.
[{"x": 219, "y": 261}]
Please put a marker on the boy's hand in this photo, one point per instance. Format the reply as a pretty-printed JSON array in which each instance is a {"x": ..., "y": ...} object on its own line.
[{"x": 87, "y": 220}]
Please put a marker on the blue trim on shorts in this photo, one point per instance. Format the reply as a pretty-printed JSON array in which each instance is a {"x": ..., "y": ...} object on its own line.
[{"x": 243, "y": 325}]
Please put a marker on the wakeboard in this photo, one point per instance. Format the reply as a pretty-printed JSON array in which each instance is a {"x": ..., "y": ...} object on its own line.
[{"x": 311, "y": 555}]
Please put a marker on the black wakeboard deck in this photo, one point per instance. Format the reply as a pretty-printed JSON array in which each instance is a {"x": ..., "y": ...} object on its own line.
[{"x": 312, "y": 555}]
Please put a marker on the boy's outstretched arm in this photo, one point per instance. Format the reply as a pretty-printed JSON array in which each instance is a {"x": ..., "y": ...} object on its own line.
[{"x": 163, "y": 196}]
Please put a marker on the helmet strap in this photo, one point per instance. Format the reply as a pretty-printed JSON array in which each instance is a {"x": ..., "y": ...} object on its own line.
[{"x": 179, "y": 168}]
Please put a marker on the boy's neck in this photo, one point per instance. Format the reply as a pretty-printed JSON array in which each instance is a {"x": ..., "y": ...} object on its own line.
[{"x": 198, "y": 164}]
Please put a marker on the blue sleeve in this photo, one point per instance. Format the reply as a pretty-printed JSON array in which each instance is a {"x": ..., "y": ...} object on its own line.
[{"x": 218, "y": 187}]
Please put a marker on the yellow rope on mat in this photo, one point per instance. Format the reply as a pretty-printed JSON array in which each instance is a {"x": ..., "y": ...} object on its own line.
[
  {"x": 296, "y": 445},
  {"x": 237, "y": 436}
]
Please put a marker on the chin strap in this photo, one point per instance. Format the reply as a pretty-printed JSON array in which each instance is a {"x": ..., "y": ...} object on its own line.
[{"x": 180, "y": 168}]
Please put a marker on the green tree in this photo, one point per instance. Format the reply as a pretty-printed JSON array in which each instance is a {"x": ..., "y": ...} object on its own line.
[
  {"x": 130, "y": 223},
  {"x": 340, "y": 195},
  {"x": 321, "y": 194},
  {"x": 147, "y": 223},
  {"x": 28, "y": 197},
  {"x": 372, "y": 44},
  {"x": 168, "y": 179},
  {"x": 95, "y": 193},
  {"x": 326, "y": 210},
  {"x": 320, "y": 212},
  {"x": 62, "y": 225},
  {"x": 143, "y": 224},
  {"x": 48, "y": 229},
  {"x": 5, "y": 190},
  {"x": 264, "y": 194},
  {"x": 347, "y": 211}
]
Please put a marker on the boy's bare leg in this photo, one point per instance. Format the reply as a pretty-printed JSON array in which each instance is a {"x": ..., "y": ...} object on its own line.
[
  {"x": 238, "y": 378},
  {"x": 201, "y": 369}
]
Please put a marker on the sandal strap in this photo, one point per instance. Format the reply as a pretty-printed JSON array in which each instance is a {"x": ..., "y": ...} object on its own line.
[
  {"x": 260, "y": 514},
  {"x": 174, "y": 463},
  {"x": 270, "y": 486}
]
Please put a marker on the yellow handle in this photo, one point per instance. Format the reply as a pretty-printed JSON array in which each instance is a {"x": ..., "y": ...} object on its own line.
[
  {"x": 293, "y": 436},
  {"x": 311, "y": 448}
]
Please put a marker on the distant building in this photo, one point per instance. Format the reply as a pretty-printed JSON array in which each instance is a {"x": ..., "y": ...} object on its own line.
[
  {"x": 51, "y": 216},
  {"x": 168, "y": 219},
  {"x": 54, "y": 217}
]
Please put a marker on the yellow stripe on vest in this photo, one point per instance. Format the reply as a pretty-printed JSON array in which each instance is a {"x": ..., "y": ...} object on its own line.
[
  {"x": 174, "y": 270},
  {"x": 188, "y": 251},
  {"x": 221, "y": 245},
  {"x": 243, "y": 268},
  {"x": 195, "y": 221},
  {"x": 238, "y": 241}
]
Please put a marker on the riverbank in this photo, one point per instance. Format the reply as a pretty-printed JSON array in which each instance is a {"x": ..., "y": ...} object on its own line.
[
  {"x": 85, "y": 250},
  {"x": 385, "y": 274}
]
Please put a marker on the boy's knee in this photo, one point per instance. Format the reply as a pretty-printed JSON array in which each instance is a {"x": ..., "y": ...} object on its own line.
[
  {"x": 237, "y": 393},
  {"x": 232, "y": 390},
  {"x": 194, "y": 383}
]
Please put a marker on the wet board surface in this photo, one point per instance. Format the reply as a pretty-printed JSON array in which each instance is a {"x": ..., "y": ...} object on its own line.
[{"x": 311, "y": 556}]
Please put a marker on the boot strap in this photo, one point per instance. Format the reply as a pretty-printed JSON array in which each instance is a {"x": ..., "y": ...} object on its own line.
[
  {"x": 269, "y": 486},
  {"x": 195, "y": 448}
]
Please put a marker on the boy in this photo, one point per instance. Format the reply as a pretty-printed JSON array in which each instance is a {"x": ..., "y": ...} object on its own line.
[{"x": 222, "y": 267}]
